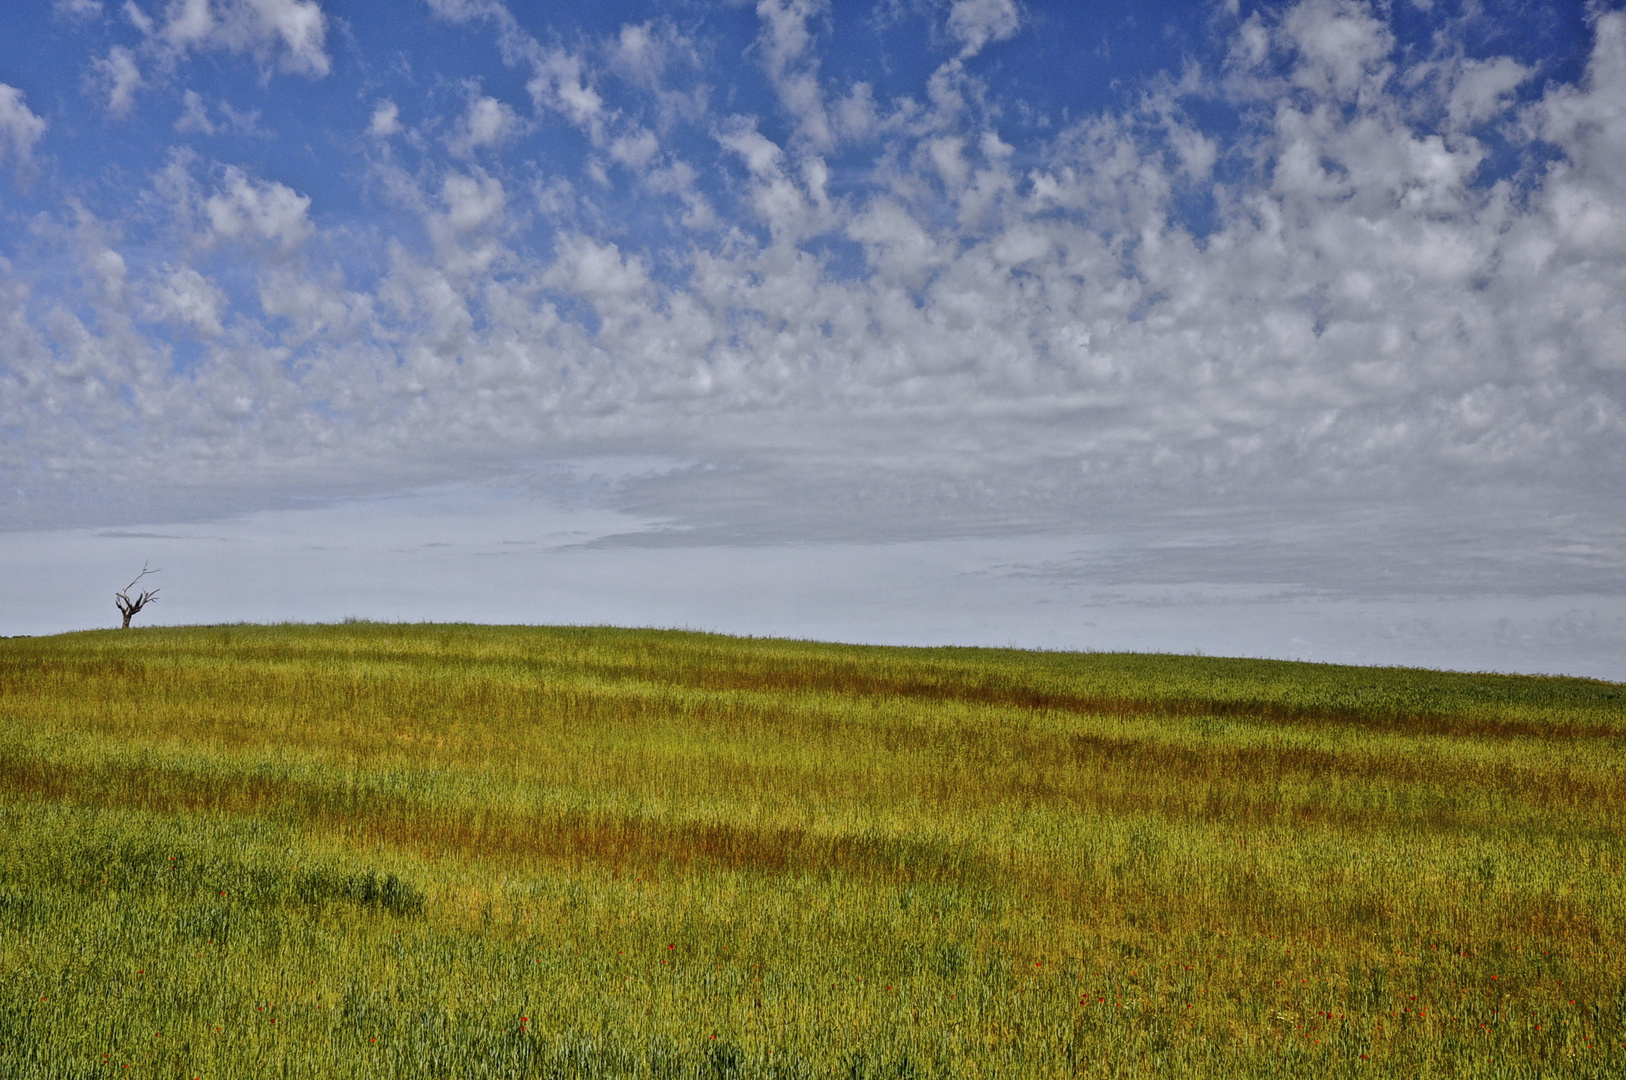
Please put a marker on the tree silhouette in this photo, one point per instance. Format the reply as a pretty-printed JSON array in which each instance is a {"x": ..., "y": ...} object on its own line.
[{"x": 130, "y": 607}]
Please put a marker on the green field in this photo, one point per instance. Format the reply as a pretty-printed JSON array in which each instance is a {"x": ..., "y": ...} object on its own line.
[{"x": 465, "y": 851}]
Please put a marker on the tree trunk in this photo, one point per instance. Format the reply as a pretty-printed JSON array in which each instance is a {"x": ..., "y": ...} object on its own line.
[{"x": 126, "y": 625}]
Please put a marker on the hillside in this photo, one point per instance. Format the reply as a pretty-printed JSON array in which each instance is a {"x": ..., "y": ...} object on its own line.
[{"x": 371, "y": 850}]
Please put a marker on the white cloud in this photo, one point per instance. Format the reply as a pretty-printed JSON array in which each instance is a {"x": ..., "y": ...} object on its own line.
[
  {"x": 1250, "y": 45},
  {"x": 199, "y": 116},
  {"x": 1482, "y": 89},
  {"x": 194, "y": 115},
  {"x": 947, "y": 154},
  {"x": 639, "y": 53},
  {"x": 287, "y": 34},
  {"x": 1342, "y": 47},
  {"x": 785, "y": 36},
  {"x": 467, "y": 10},
  {"x": 679, "y": 179},
  {"x": 258, "y": 211},
  {"x": 665, "y": 65},
  {"x": 560, "y": 84},
  {"x": 898, "y": 246},
  {"x": 120, "y": 78},
  {"x": 136, "y": 17},
  {"x": 636, "y": 149},
  {"x": 599, "y": 272},
  {"x": 77, "y": 9},
  {"x": 20, "y": 129},
  {"x": 386, "y": 120},
  {"x": 472, "y": 201},
  {"x": 516, "y": 46},
  {"x": 791, "y": 212},
  {"x": 786, "y": 40},
  {"x": 855, "y": 115},
  {"x": 1358, "y": 309},
  {"x": 760, "y": 154},
  {"x": 183, "y": 295},
  {"x": 316, "y": 307},
  {"x": 975, "y": 23},
  {"x": 290, "y": 33},
  {"x": 487, "y": 122},
  {"x": 1588, "y": 122}
]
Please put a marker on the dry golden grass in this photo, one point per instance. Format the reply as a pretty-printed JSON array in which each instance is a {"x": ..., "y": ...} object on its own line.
[{"x": 501, "y": 851}]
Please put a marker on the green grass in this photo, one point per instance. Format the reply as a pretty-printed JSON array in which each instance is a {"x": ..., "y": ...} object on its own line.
[{"x": 462, "y": 851}]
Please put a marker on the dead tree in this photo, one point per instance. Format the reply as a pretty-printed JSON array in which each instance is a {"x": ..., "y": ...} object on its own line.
[{"x": 130, "y": 607}]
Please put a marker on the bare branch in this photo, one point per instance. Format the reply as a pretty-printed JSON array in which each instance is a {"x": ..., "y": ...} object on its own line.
[
  {"x": 138, "y": 577},
  {"x": 128, "y": 607}
]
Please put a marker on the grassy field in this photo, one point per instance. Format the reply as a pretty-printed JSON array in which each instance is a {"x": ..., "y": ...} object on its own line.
[{"x": 465, "y": 851}]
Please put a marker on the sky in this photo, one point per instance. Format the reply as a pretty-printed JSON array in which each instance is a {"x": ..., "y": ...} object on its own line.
[{"x": 1266, "y": 329}]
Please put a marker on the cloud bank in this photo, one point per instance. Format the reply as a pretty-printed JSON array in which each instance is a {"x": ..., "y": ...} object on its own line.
[{"x": 1312, "y": 264}]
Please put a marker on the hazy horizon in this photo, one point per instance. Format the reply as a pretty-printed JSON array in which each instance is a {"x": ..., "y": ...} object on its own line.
[{"x": 1270, "y": 329}]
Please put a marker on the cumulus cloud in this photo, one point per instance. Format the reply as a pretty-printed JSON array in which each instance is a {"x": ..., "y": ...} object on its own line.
[
  {"x": 786, "y": 41},
  {"x": 386, "y": 120},
  {"x": 916, "y": 286},
  {"x": 136, "y": 17},
  {"x": 975, "y": 23},
  {"x": 20, "y": 129},
  {"x": 197, "y": 115},
  {"x": 185, "y": 296},
  {"x": 119, "y": 77},
  {"x": 790, "y": 210},
  {"x": 599, "y": 272},
  {"x": 291, "y": 34},
  {"x": 465, "y": 10},
  {"x": 665, "y": 65},
  {"x": 1481, "y": 89},
  {"x": 487, "y": 122},
  {"x": 565, "y": 83},
  {"x": 1342, "y": 46},
  {"x": 472, "y": 201},
  {"x": 855, "y": 114},
  {"x": 561, "y": 84},
  {"x": 316, "y": 307},
  {"x": 194, "y": 115},
  {"x": 286, "y": 35},
  {"x": 77, "y": 9},
  {"x": 258, "y": 211},
  {"x": 639, "y": 52}
]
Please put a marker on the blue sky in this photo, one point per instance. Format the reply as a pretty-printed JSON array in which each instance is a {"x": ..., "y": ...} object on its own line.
[{"x": 1293, "y": 329}]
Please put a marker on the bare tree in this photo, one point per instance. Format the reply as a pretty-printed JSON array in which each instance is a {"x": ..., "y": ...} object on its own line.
[{"x": 130, "y": 607}]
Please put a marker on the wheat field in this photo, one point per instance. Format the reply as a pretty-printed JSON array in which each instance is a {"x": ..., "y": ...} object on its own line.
[{"x": 379, "y": 850}]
